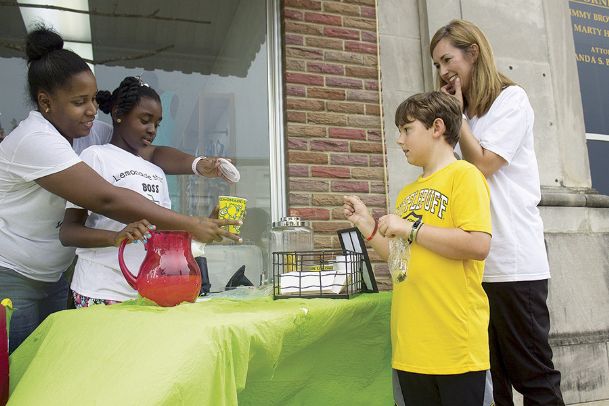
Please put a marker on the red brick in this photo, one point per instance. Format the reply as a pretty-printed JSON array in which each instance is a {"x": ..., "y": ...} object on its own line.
[
  {"x": 295, "y": 130},
  {"x": 349, "y": 159},
  {"x": 327, "y": 119},
  {"x": 329, "y": 145},
  {"x": 367, "y": 147},
  {"x": 373, "y": 109},
  {"x": 294, "y": 39},
  {"x": 325, "y": 19},
  {"x": 338, "y": 213},
  {"x": 341, "y": 107},
  {"x": 366, "y": 2},
  {"x": 371, "y": 84},
  {"x": 325, "y": 43},
  {"x": 328, "y": 94},
  {"x": 359, "y": 121},
  {"x": 294, "y": 90},
  {"x": 291, "y": 14},
  {"x": 378, "y": 187},
  {"x": 298, "y": 170},
  {"x": 325, "y": 199},
  {"x": 332, "y": 81},
  {"x": 374, "y": 135},
  {"x": 362, "y": 47},
  {"x": 306, "y": 4},
  {"x": 303, "y": 28},
  {"x": 298, "y": 143},
  {"x": 297, "y": 65},
  {"x": 323, "y": 241},
  {"x": 304, "y": 53},
  {"x": 341, "y": 8},
  {"x": 329, "y": 68},
  {"x": 368, "y": 12},
  {"x": 361, "y": 72},
  {"x": 299, "y": 199},
  {"x": 311, "y": 213},
  {"x": 375, "y": 200},
  {"x": 347, "y": 133},
  {"x": 304, "y": 78},
  {"x": 297, "y": 116},
  {"x": 305, "y": 104},
  {"x": 346, "y": 57},
  {"x": 349, "y": 186},
  {"x": 330, "y": 172},
  {"x": 329, "y": 226},
  {"x": 368, "y": 36},
  {"x": 305, "y": 157},
  {"x": 377, "y": 160},
  {"x": 343, "y": 33},
  {"x": 363, "y": 96},
  {"x": 312, "y": 185},
  {"x": 360, "y": 23},
  {"x": 370, "y": 60},
  {"x": 368, "y": 173}
]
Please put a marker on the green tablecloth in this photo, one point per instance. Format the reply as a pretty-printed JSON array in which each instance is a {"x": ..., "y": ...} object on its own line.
[{"x": 219, "y": 352}]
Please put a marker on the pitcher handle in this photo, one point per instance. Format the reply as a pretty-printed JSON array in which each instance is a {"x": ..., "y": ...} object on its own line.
[{"x": 121, "y": 262}]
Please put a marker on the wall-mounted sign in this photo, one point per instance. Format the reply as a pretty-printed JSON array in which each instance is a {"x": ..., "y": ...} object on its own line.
[{"x": 590, "y": 24}]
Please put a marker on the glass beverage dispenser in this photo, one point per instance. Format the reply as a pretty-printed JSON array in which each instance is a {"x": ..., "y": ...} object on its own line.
[{"x": 290, "y": 234}]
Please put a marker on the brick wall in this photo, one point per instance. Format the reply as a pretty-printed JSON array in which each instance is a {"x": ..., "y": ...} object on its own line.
[{"x": 334, "y": 142}]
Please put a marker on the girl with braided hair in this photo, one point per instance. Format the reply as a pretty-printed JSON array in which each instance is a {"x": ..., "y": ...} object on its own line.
[
  {"x": 40, "y": 170},
  {"x": 136, "y": 114}
]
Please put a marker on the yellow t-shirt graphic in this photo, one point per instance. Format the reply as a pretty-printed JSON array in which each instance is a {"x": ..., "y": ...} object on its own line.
[{"x": 439, "y": 313}]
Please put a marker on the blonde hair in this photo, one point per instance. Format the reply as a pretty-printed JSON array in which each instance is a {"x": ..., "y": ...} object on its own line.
[{"x": 486, "y": 82}]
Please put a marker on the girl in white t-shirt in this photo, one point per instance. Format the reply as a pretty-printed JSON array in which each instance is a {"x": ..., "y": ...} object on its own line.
[
  {"x": 136, "y": 114},
  {"x": 497, "y": 137}
]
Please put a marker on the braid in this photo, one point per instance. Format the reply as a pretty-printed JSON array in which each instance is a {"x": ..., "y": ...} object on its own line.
[
  {"x": 126, "y": 96},
  {"x": 104, "y": 100}
]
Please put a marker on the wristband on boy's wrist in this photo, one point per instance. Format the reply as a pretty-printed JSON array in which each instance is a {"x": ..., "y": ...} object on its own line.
[
  {"x": 376, "y": 227},
  {"x": 194, "y": 165},
  {"x": 416, "y": 226}
]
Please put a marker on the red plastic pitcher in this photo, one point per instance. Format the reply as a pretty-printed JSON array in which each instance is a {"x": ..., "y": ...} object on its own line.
[{"x": 169, "y": 274}]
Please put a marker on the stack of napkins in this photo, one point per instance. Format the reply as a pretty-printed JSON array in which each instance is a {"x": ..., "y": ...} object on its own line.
[{"x": 311, "y": 282}]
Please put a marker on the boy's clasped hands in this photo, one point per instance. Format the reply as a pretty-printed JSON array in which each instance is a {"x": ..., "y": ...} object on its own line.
[{"x": 393, "y": 226}]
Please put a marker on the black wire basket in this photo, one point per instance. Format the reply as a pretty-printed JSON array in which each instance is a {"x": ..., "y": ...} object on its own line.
[{"x": 332, "y": 274}]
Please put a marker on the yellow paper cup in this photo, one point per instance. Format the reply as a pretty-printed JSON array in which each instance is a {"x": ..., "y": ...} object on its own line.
[{"x": 232, "y": 208}]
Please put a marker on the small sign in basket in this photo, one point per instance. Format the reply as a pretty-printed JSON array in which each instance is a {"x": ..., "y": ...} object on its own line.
[{"x": 319, "y": 273}]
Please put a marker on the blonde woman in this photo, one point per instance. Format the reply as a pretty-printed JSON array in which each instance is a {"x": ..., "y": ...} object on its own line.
[{"x": 497, "y": 137}]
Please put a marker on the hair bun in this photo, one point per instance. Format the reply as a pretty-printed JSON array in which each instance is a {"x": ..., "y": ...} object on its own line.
[
  {"x": 104, "y": 100},
  {"x": 41, "y": 42}
]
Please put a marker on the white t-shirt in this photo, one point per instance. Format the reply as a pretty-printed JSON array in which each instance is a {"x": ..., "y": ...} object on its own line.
[
  {"x": 518, "y": 251},
  {"x": 30, "y": 216},
  {"x": 97, "y": 274},
  {"x": 101, "y": 133}
]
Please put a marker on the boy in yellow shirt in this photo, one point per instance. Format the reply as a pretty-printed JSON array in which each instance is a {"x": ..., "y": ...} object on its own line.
[{"x": 436, "y": 243}]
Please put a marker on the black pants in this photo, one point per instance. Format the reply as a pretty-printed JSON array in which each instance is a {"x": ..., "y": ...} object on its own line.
[
  {"x": 518, "y": 336},
  {"x": 442, "y": 390}
]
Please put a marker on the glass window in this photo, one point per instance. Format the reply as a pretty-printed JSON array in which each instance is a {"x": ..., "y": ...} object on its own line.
[{"x": 208, "y": 60}]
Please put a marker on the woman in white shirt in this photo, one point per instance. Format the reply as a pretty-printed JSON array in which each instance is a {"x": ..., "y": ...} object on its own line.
[
  {"x": 497, "y": 137},
  {"x": 39, "y": 171}
]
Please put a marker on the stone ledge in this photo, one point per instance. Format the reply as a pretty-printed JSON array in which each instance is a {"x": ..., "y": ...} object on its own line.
[
  {"x": 592, "y": 337},
  {"x": 573, "y": 197}
]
